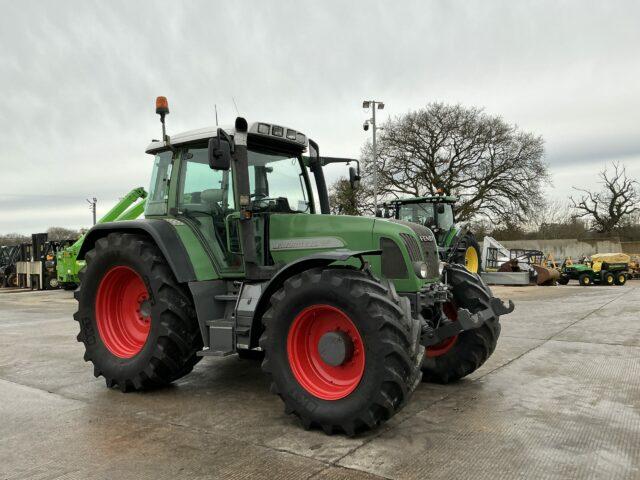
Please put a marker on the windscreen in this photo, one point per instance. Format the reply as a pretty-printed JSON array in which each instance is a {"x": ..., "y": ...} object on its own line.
[{"x": 421, "y": 213}]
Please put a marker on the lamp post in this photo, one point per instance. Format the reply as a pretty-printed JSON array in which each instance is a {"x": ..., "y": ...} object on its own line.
[{"x": 374, "y": 105}]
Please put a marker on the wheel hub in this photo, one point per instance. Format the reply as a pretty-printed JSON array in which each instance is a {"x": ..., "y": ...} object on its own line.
[
  {"x": 335, "y": 348},
  {"x": 144, "y": 310}
]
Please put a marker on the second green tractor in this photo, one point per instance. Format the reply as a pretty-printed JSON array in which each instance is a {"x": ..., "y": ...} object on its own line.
[
  {"x": 456, "y": 243},
  {"x": 237, "y": 254}
]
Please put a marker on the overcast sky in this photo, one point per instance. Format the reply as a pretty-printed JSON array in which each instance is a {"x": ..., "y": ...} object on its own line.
[{"x": 78, "y": 82}]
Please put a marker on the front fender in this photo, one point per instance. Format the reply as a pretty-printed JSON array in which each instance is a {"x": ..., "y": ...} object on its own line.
[{"x": 308, "y": 262}]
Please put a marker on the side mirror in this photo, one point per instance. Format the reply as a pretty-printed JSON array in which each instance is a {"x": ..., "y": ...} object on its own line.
[
  {"x": 354, "y": 178},
  {"x": 440, "y": 209},
  {"x": 220, "y": 149}
]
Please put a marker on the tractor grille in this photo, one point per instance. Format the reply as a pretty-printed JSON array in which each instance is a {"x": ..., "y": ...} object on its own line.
[
  {"x": 415, "y": 254},
  {"x": 393, "y": 264},
  {"x": 425, "y": 251}
]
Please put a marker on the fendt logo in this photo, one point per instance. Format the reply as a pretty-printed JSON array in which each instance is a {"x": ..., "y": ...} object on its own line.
[{"x": 426, "y": 238}]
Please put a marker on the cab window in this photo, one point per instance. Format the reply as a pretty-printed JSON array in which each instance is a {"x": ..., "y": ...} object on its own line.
[
  {"x": 159, "y": 187},
  {"x": 278, "y": 183},
  {"x": 203, "y": 190}
]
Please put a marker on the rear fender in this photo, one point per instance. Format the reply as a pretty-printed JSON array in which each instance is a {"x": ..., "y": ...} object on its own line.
[{"x": 160, "y": 231}]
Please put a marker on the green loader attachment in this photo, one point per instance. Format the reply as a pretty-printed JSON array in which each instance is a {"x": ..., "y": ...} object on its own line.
[
  {"x": 67, "y": 264},
  {"x": 238, "y": 255}
]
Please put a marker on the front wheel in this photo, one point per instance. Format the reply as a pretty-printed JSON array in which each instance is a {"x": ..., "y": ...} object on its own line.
[
  {"x": 458, "y": 356},
  {"x": 585, "y": 280},
  {"x": 341, "y": 350},
  {"x": 563, "y": 280},
  {"x": 138, "y": 325}
]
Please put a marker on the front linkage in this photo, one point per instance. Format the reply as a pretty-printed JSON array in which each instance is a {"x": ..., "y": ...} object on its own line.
[
  {"x": 442, "y": 327},
  {"x": 460, "y": 324}
]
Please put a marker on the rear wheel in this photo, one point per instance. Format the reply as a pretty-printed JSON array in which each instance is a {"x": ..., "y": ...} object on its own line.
[
  {"x": 608, "y": 278},
  {"x": 585, "y": 279},
  {"x": 137, "y": 323},
  {"x": 621, "y": 278},
  {"x": 341, "y": 349},
  {"x": 464, "y": 353},
  {"x": 469, "y": 257}
]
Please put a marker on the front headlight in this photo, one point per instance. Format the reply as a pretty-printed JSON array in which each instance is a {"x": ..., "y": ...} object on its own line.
[
  {"x": 421, "y": 269},
  {"x": 441, "y": 266}
]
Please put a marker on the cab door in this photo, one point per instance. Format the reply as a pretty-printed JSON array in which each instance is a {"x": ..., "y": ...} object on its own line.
[{"x": 205, "y": 202}]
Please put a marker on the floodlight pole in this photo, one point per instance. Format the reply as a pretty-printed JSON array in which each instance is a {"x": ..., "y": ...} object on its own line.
[
  {"x": 375, "y": 104},
  {"x": 92, "y": 206},
  {"x": 375, "y": 161}
]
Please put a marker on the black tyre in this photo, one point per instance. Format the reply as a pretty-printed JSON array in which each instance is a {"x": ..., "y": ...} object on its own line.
[
  {"x": 341, "y": 349},
  {"x": 620, "y": 278},
  {"x": 608, "y": 278},
  {"x": 138, "y": 325},
  {"x": 69, "y": 286},
  {"x": 563, "y": 280},
  {"x": 469, "y": 254},
  {"x": 461, "y": 355},
  {"x": 585, "y": 280}
]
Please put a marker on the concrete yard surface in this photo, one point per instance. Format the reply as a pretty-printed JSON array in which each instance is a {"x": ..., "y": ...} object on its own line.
[{"x": 559, "y": 398}]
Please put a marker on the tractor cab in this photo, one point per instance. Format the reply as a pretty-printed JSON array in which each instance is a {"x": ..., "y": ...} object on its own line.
[
  {"x": 434, "y": 212},
  {"x": 196, "y": 182}
]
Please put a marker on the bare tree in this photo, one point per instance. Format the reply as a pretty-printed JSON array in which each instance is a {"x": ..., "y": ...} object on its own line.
[
  {"x": 610, "y": 207},
  {"x": 344, "y": 200},
  {"x": 495, "y": 169},
  {"x": 62, "y": 233},
  {"x": 14, "y": 239}
]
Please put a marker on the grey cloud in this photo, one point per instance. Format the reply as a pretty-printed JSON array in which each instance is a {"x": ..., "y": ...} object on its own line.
[{"x": 78, "y": 80}]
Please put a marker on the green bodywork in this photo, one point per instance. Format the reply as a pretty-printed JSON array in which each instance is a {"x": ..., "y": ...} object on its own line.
[
  {"x": 293, "y": 236},
  {"x": 67, "y": 264}
]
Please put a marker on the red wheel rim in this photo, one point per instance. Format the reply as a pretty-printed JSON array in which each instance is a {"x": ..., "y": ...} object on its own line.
[
  {"x": 443, "y": 347},
  {"x": 122, "y": 312},
  {"x": 317, "y": 377}
]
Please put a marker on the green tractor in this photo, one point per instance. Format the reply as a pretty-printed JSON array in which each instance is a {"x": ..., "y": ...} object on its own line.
[
  {"x": 456, "y": 243},
  {"x": 67, "y": 264},
  {"x": 238, "y": 255}
]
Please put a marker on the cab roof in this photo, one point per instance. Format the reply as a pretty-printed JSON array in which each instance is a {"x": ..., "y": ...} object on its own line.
[{"x": 257, "y": 130}]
